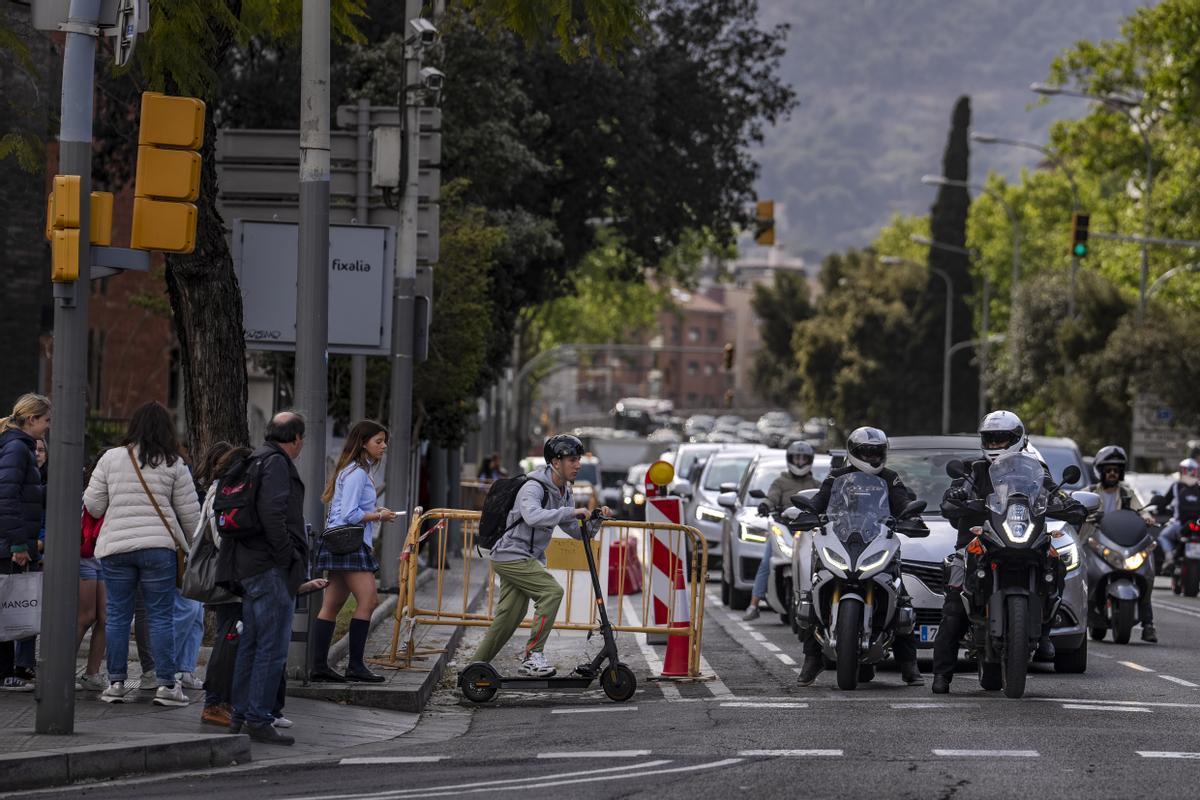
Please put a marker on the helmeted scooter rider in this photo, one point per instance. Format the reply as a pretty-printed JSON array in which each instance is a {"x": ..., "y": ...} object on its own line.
[
  {"x": 866, "y": 451},
  {"x": 1115, "y": 494},
  {"x": 1000, "y": 433},
  {"x": 1183, "y": 499},
  {"x": 796, "y": 478}
]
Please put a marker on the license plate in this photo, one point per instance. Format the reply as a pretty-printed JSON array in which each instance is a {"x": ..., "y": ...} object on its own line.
[
  {"x": 928, "y": 632},
  {"x": 1191, "y": 550}
]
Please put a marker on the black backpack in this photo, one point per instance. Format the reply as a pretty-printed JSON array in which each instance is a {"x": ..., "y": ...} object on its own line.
[
  {"x": 499, "y": 501},
  {"x": 235, "y": 507}
]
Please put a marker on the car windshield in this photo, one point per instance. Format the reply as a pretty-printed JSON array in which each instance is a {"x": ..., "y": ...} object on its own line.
[
  {"x": 1059, "y": 458},
  {"x": 858, "y": 503},
  {"x": 726, "y": 470},
  {"x": 687, "y": 457},
  {"x": 1017, "y": 474},
  {"x": 924, "y": 472}
]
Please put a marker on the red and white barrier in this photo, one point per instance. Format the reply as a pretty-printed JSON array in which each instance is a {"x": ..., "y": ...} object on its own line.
[{"x": 668, "y": 551}]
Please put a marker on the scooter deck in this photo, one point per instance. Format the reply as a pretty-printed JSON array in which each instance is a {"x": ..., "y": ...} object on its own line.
[{"x": 520, "y": 682}]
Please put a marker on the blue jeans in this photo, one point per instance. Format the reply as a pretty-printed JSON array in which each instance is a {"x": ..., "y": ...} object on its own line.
[
  {"x": 764, "y": 572},
  {"x": 153, "y": 571},
  {"x": 267, "y": 608},
  {"x": 189, "y": 630},
  {"x": 1168, "y": 538}
]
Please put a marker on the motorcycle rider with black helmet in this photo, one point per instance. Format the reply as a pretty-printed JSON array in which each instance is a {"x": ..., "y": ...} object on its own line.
[
  {"x": 796, "y": 478},
  {"x": 1115, "y": 494},
  {"x": 866, "y": 451},
  {"x": 1000, "y": 433}
]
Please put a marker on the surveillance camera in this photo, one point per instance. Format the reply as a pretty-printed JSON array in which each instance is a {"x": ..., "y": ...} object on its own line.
[
  {"x": 432, "y": 79},
  {"x": 424, "y": 32}
]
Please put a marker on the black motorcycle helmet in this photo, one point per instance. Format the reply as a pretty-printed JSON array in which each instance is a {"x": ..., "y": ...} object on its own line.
[
  {"x": 799, "y": 459},
  {"x": 562, "y": 445},
  {"x": 1109, "y": 464},
  {"x": 867, "y": 448}
]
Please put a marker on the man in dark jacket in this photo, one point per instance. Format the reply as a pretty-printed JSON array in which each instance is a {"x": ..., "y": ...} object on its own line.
[{"x": 269, "y": 565}]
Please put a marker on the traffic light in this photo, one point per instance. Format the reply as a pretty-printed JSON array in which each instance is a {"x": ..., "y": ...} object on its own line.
[
  {"x": 728, "y": 358},
  {"x": 62, "y": 228},
  {"x": 1079, "y": 235},
  {"x": 168, "y": 173},
  {"x": 99, "y": 223},
  {"x": 764, "y": 223}
]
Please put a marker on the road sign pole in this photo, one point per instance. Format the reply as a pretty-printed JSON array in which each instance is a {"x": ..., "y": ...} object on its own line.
[
  {"x": 362, "y": 210},
  {"x": 312, "y": 289},
  {"x": 56, "y": 670}
]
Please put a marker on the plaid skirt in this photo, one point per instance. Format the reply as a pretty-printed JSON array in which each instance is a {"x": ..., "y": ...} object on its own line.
[{"x": 361, "y": 560}]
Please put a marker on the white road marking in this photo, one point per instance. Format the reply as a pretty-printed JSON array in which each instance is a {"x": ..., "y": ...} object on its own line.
[
  {"x": 935, "y": 705},
  {"x": 754, "y": 704},
  {"x": 1112, "y": 702},
  {"x": 987, "y": 753},
  {"x": 670, "y": 691},
  {"x": 1088, "y": 707},
  {"x": 756, "y": 636},
  {"x": 1177, "y": 609},
  {"x": 1132, "y": 665},
  {"x": 598, "y": 754},
  {"x": 1167, "y": 753},
  {"x": 734, "y": 617},
  {"x": 1180, "y": 681},
  {"x": 790, "y": 753},
  {"x": 1101, "y": 655},
  {"x": 771, "y": 647},
  {"x": 592, "y": 709},
  {"x": 785, "y": 658},
  {"x": 352, "y": 762}
]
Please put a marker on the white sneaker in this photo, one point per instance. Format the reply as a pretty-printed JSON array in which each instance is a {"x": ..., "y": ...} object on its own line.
[
  {"x": 751, "y": 614},
  {"x": 536, "y": 666},
  {"x": 189, "y": 680},
  {"x": 148, "y": 682},
  {"x": 115, "y": 693},
  {"x": 282, "y": 722},
  {"x": 91, "y": 683},
  {"x": 15, "y": 684},
  {"x": 171, "y": 696}
]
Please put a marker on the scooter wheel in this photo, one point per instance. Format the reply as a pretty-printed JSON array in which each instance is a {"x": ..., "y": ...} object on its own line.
[
  {"x": 479, "y": 682},
  {"x": 618, "y": 682}
]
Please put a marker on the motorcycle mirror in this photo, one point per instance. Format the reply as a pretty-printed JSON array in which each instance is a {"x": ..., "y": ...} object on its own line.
[
  {"x": 1070, "y": 474},
  {"x": 956, "y": 468},
  {"x": 1090, "y": 500},
  {"x": 758, "y": 494}
]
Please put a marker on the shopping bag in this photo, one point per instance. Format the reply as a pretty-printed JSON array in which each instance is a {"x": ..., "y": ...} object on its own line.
[
  {"x": 20, "y": 606},
  {"x": 200, "y": 575}
]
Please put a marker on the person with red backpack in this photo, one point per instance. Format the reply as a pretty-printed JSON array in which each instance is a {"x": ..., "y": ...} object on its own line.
[{"x": 543, "y": 502}]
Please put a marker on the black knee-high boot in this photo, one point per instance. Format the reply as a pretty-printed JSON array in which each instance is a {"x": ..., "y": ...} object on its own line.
[
  {"x": 357, "y": 668},
  {"x": 322, "y": 634}
]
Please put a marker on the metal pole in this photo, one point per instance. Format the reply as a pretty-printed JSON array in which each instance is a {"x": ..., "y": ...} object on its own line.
[
  {"x": 56, "y": 670},
  {"x": 1146, "y": 212},
  {"x": 398, "y": 473},
  {"x": 362, "y": 211},
  {"x": 312, "y": 289},
  {"x": 983, "y": 348}
]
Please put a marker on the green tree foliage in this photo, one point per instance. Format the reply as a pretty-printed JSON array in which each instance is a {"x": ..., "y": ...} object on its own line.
[
  {"x": 19, "y": 134},
  {"x": 779, "y": 308}
]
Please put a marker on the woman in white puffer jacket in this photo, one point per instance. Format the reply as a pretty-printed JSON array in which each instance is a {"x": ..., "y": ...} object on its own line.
[{"x": 138, "y": 542}]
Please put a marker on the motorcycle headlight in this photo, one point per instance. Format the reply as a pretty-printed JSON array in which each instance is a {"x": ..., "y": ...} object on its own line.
[
  {"x": 749, "y": 534},
  {"x": 709, "y": 514},
  {"x": 876, "y": 561},
  {"x": 834, "y": 558},
  {"x": 639, "y": 499},
  {"x": 1069, "y": 554},
  {"x": 784, "y": 539},
  {"x": 1017, "y": 525},
  {"x": 1135, "y": 561},
  {"x": 1114, "y": 559}
]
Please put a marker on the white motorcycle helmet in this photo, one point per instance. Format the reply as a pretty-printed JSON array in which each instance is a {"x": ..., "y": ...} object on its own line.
[
  {"x": 799, "y": 459},
  {"x": 866, "y": 449},
  {"x": 1189, "y": 472},
  {"x": 1001, "y": 432}
]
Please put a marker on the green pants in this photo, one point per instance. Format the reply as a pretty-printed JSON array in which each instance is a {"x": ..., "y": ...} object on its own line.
[{"x": 520, "y": 582}]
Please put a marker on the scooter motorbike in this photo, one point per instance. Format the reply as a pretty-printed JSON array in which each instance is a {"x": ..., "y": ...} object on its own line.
[
  {"x": 1013, "y": 574},
  {"x": 850, "y": 587},
  {"x": 1120, "y": 573},
  {"x": 1186, "y": 580}
]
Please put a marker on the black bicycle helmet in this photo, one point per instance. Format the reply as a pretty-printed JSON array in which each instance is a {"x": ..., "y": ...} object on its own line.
[
  {"x": 867, "y": 448},
  {"x": 561, "y": 446},
  {"x": 799, "y": 459}
]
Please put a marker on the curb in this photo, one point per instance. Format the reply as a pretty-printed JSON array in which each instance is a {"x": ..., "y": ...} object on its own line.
[{"x": 162, "y": 753}]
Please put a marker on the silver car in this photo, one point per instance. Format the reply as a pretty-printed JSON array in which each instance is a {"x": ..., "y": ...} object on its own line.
[{"x": 723, "y": 468}]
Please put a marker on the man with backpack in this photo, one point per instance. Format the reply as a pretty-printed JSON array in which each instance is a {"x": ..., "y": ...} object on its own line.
[{"x": 518, "y": 549}]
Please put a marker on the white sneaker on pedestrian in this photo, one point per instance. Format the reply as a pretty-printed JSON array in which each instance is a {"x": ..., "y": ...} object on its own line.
[
  {"x": 189, "y": 680},
  {"x": 171, "y": 696},
  {"x": 14, "y": 684},
  {"x": 115, "y": 693},
  {"x": 148, "y": 682},
  {"x": 536, "y": 666},
  {"x": 751, "y": 614},
  {"x": 282, "y": 722},
  {"x": 91, "y": 683}
]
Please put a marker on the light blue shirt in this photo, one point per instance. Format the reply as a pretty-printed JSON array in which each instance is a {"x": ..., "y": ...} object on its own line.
[{"x": 353, "y": 497}]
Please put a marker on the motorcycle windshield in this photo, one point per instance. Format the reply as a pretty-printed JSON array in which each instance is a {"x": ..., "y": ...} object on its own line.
[
  {"x": 1017, "y": 474},
  {"x": 858, "y": 504}
]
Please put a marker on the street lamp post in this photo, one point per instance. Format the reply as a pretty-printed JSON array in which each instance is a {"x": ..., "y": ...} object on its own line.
[
  {"x": 946, "y": 343},
  {"x": 1171, "y": 273},
  {"x": 1123, "y": 105},
  {"x": 1057, "y": 161},
  {"x": 1014, "y": 223}
]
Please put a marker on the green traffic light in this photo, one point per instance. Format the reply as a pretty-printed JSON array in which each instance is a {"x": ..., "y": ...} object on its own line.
[{"x": 1081, "y": 249}]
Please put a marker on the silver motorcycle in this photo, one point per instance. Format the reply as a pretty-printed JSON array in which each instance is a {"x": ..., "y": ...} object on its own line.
[{"x": 1120, "y": 570}]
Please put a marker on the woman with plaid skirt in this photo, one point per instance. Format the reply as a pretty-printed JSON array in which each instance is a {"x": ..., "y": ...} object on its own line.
[{"x": 350, "y": 495}]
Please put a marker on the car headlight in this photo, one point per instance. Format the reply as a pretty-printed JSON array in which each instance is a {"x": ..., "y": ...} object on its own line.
[
  {"x": 709, "y": 514},
  {"x": 1135, "y": 561},
  {"x": 1017, "y": 525},
  {"x": 1069, "y": 554},
  {"x": 749, "y": 534},
  {"x": 876, "y": 561},
  {"x": 784, "y": 539},
  {"x": 834, "y": 559},
  {"x": 639, "y": 499}
]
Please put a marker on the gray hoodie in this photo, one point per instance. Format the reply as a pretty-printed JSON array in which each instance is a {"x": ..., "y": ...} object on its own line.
[{"x": 540, "y": 505}]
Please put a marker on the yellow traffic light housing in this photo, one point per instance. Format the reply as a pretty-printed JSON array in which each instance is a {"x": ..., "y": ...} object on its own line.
[
  {"x": 62, "y": 228},
  {"x": 168, "y": 173},
  {"x": 764, "y": 223},
  {"x": 100, "y": 221}
]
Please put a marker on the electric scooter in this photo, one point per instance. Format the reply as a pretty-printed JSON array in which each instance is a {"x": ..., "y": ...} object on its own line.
[{"x": 480, "y": 681}]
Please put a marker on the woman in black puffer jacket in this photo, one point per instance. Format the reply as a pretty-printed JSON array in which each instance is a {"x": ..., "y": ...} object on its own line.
[{"x": 22, "y": 501}]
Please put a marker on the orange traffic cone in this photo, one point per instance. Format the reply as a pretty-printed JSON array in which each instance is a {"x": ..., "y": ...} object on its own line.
[{"x": 675, "y": 664}]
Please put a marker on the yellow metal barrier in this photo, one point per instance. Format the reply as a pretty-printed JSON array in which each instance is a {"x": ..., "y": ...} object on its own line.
[{"x": 454, "y": 608}]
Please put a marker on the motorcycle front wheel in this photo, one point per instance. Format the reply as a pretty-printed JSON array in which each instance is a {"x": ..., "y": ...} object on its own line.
[
  {"x": 1123, "y": 615},
  {"x": 1015, "y": 662},
  {"x": 849, "y": 628}
]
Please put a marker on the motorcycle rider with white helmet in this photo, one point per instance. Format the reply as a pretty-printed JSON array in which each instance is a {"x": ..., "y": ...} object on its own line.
[
  {"x": 796, "y": 478},
  {"x": 866, "y": 451},
  {"x": 1000, "y": 433},
  {"x": 1183, "y": 500}
]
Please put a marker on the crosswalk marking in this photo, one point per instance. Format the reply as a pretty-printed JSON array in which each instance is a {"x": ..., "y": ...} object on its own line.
[
  {"x": 1089, "y": 707},
  {"x": 1179, "y": 681},
  {"x": 752, "y": 704},
  {"x": 988, "y": 753},
  {"x": 790, "y": 753},
  {"x": 1167, "y": 754}
]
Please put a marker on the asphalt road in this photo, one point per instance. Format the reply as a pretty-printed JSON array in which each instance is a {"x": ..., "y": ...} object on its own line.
[{"x": 1129, "y": 727}]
